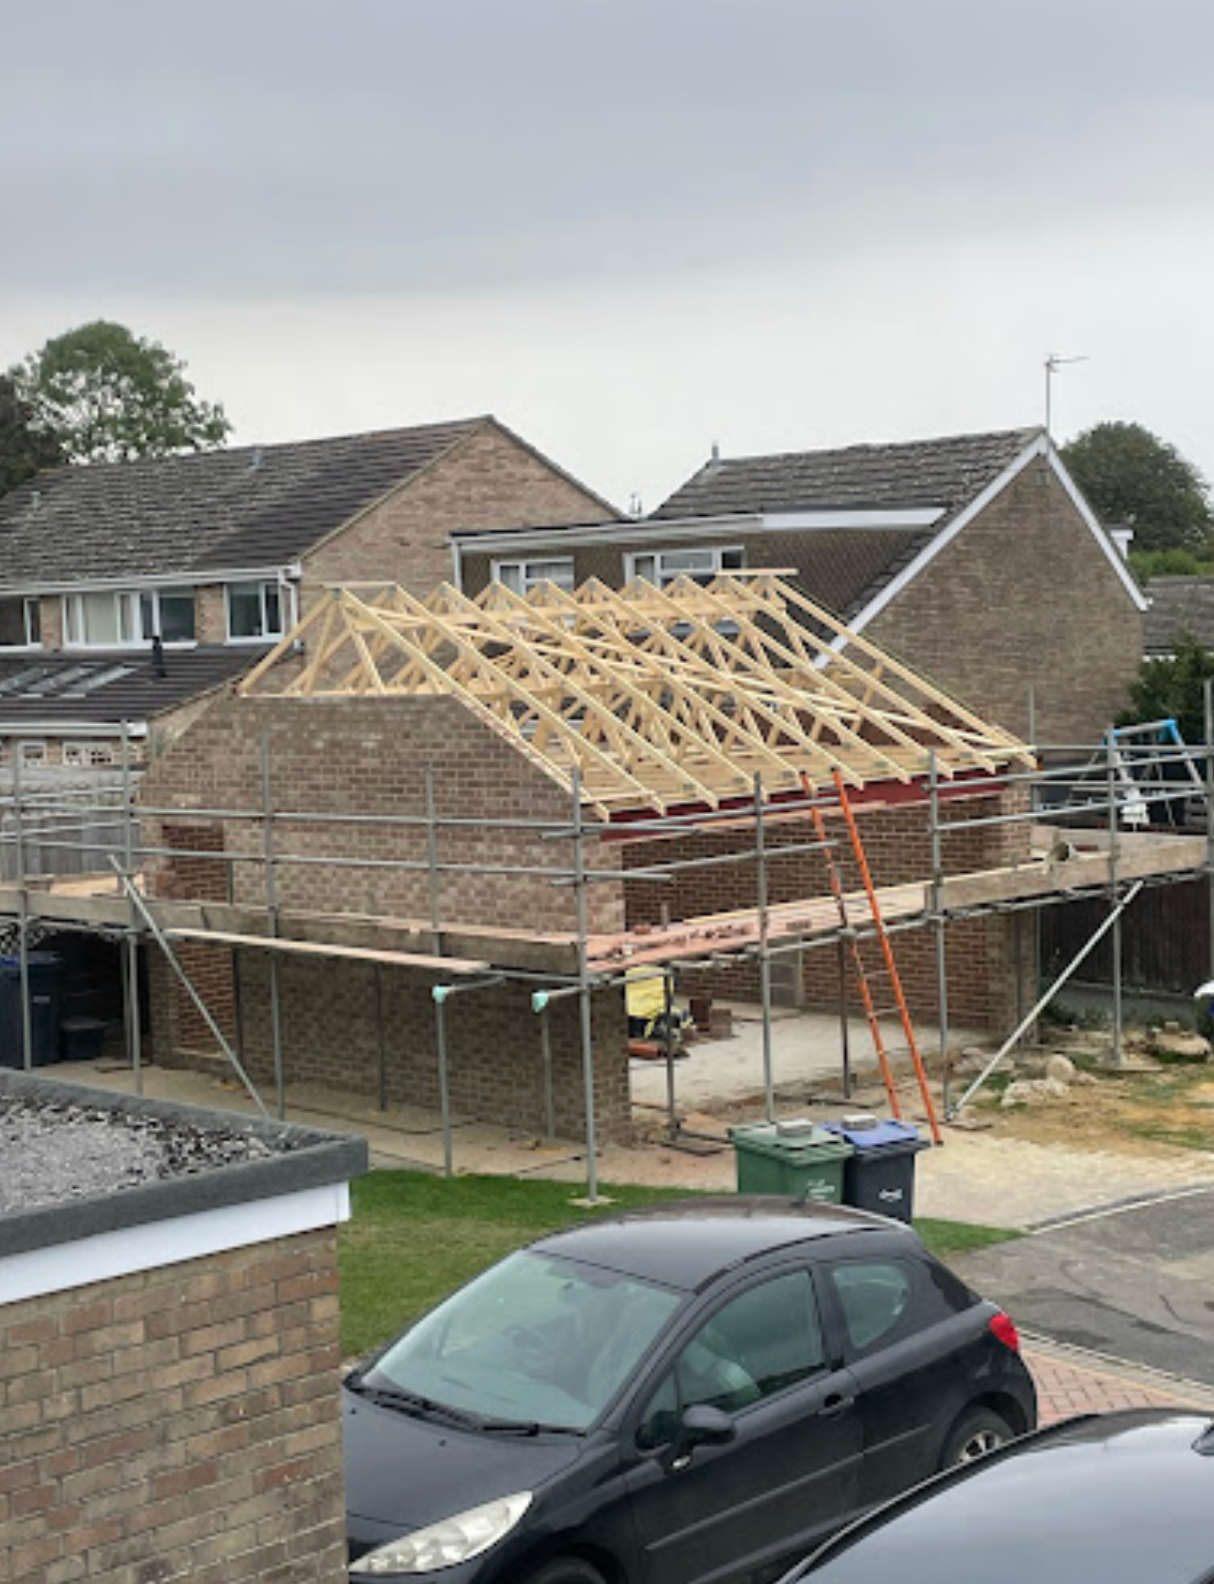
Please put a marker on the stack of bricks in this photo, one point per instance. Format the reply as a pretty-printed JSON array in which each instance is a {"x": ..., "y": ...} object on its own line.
[{"x": 179, "y": 1423}]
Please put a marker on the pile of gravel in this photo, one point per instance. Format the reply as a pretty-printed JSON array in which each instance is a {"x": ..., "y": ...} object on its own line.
[{"x": 52, "y": 1152}]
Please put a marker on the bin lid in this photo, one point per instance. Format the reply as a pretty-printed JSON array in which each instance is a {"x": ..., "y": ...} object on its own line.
[
  {"x": 879, "y": 1137},
  {"x": 765, "y": 1139}
]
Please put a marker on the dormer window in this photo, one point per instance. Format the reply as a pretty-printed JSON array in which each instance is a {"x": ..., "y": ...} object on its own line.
[
  {"x": 20, "y": 623},
  {"x": 124, "y": 618},
  {"x": 254, "y": 611}
]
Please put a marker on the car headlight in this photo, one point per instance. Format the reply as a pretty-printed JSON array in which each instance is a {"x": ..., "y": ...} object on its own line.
[{"x": 442, "y": 1545}]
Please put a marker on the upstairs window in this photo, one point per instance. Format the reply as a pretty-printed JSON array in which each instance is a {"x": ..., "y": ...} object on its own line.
[
  {"x": 701, "y": 564},
  {"x": 114, "y": 619},
  {"x": 522, "y": 576},
  {"x": 20, "y": 623},
  {"x": 254, "y": 611}
]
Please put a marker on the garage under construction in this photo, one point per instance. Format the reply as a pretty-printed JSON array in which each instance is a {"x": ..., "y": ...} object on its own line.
[{"x": 422, "y": 850}]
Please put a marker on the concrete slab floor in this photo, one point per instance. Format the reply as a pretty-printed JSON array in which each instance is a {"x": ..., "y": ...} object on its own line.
[{"x": 806, "y": 1047}]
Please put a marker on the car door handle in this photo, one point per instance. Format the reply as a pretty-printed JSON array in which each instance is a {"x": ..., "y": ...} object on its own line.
[{"x": 835, "y": 1406}]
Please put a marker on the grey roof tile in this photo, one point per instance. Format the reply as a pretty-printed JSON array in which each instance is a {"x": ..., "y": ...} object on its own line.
[
  {"x": 106, "y": 689},
  {"x": 947, "y": 473},
  {"x": 1180, "y": 607},
  {"x": 251, "y": 506}
]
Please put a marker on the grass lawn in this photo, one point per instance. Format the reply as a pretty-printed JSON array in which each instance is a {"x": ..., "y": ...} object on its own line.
[{"x": 413, "y": 1237}]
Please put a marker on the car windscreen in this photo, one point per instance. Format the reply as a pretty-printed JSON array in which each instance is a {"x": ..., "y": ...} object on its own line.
[{"x": 533, "y": 1340}]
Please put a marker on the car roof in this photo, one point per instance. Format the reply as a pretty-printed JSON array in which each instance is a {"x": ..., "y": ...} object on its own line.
[
  {"x": 1122, "y": 1498},
  {"x": 686, "y": 1242}
]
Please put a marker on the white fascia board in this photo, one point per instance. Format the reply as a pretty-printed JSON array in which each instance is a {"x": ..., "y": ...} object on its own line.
[
  {"x": 136, "y": 581},
  {"x": 60, "y": 728},
  {"x": 1112, "y": 554},
  {"x": 155, "y": 1244},
  {"x": 1036, "y": 448},
  {"x": 505, "y": 543}
]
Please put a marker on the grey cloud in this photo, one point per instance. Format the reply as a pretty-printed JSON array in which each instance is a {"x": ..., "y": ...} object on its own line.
[{"x": 418, "y": 146}]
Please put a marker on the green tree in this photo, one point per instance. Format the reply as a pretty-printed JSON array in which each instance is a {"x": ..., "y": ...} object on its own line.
[
  {"x": 107, "y": 395},
  {"x": 24, "y": 448},
  {"x": 1131, "y": 476},
  {"x": 1173, "y": 687}
]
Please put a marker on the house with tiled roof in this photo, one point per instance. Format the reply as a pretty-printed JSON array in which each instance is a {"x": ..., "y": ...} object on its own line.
[
  {"x": 1181, "y": 607},
  {"x": 132, "y": 592},
  {"x": 974, "y": 558}
]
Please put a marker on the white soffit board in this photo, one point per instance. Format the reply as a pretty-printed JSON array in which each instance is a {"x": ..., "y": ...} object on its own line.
[{"x": 155, "y": 1244}]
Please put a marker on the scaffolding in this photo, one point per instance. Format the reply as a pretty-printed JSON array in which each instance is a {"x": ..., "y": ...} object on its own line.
[{"x": 776, "y": 719}]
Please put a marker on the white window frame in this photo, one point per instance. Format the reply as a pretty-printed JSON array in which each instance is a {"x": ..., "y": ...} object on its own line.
[
  {"x": 89, "y": 755},
  {"x": 267, "y": 634},
  {"x": 31, "y": 753},
  {"x": 527, "y": 579},
  {"x": 130, "y": 601},
  {"x": 714, "y": 555},
  {"x": 29, "y": 604}
]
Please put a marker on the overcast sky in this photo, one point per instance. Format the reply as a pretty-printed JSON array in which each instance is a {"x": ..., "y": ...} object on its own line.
[{"x": 627, "y": 227}]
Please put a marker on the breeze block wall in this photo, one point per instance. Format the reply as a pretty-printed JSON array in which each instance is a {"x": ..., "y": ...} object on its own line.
[
  {"x": 345, "y": 1023},
  {"x": 489, "y": 480},
  {"x": 981, "y": 953}
]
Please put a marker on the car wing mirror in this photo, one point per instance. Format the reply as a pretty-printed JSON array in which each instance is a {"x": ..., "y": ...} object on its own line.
[{"x": 703, "y": 1425}]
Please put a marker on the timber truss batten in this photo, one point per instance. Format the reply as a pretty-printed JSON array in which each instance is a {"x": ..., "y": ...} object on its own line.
[{"x": 657, "y": 697}]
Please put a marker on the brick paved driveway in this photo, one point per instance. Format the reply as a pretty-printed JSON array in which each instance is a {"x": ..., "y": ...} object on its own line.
[{"x": 1070, "y": 1381}]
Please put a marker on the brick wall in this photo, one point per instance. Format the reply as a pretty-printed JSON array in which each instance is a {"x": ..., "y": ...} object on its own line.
[
  {"x": 981, "y": 958},
  {"x": 1023, "y": 597},
  {"x": 369, "y": 756},
  {"x": 210, "y": 614},
  {"x": 489, "y": 480},
  {"x": 357, "y": 1027},
  {"x": 179, "y": 1423}
]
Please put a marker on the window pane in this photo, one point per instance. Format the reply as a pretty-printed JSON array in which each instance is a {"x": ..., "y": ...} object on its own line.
[
  {"x": 12, "y": 621},
  {"x": 559, "y": 572},
  {"x": 273, "y": 612},
  {"x": 674, "y": 561},
  {"x": 33, "y": 620},
  {"x": 148, "y": 627},
  {"x": 176, "y": 615},
  {"x": 874, "y": 1296},
  {"x": 732, "y": 560},
  {"x": 763, "y": 1341},
  {"x": 100, "y": 618},
  {"x": 645, "y": 566},
  {"x": 510, "y": 575},
  {"x": 244, "y": 610}
]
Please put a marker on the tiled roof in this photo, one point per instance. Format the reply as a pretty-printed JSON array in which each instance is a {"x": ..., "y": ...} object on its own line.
[
  {"x": 252, "y": 506},
  {"x": 946, "y": 473},
  {"x": 1180, "y": 607},
  {"x": 119, "y": 685}
]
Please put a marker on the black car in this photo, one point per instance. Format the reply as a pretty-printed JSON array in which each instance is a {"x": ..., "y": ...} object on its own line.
[
  {"x": 696, "y": 1391},
  {"x": 1120, "y": 1498}
]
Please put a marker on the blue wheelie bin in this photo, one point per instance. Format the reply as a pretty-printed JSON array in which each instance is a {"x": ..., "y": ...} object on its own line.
[{"x": 880, "y": 1173}]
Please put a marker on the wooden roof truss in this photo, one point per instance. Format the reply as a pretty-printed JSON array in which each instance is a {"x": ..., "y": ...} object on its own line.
[{"x": 659, "y": 696}]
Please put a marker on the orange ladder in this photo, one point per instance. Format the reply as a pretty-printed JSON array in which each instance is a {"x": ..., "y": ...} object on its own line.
[{"x": 872, "y": 1012}]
